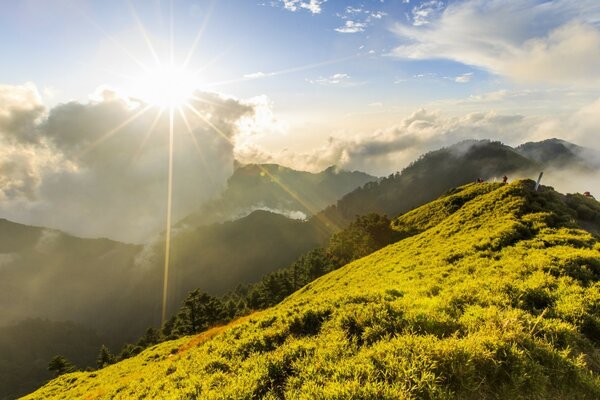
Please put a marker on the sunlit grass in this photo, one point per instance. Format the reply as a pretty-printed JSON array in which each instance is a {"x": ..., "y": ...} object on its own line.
[{"x": 493, "y": 294}]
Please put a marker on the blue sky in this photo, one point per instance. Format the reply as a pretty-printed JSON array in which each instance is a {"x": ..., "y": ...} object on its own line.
[
  {"x": 64, "y": 46},
  {"x": 367, "y": 85},
  {"x": 69, "y": 48}
]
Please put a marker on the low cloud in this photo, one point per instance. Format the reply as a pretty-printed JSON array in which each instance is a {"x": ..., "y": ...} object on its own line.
[
  {"x": 20, "y": 108},
  {"x": 100, "y": 168},
  {"x": 554, "y": 42},
  {"x": 391, "y": 149}
]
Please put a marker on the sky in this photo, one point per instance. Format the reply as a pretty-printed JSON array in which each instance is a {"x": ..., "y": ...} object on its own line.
[{"x": 366, "y": 85}]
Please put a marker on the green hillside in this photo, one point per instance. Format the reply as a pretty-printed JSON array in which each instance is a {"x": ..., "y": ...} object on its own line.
[{"x": 494, "y": 293}]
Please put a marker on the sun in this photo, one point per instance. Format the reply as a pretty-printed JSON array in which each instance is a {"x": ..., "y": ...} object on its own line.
[{"x": 166, "y": 87}]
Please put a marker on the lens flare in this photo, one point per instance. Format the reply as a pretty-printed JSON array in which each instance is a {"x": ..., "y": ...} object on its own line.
[{"x": 166, "y": 87}]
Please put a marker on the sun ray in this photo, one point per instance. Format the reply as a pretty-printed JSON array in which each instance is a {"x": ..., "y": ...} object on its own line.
[
  {"x": 203, "y": 100},
  {"x": 121, "y": 75},
  {"x": 171, "y": 35},
  {"x": 198, "y": 37},
  {"x": 329, "y": 224},
  {"x": 196, "y": 144},
  {"x": 212, "y": 61},
  {"x": 191, "y": 132},
  {"x": 112, "y": 132},
  {"x": 168, "y": 228},
  {"x": 283, "y": 71},
  {"x": 138, "y": 153},
  {"x": 113, "y": 40},
  {"x": 143, "y": 32}
]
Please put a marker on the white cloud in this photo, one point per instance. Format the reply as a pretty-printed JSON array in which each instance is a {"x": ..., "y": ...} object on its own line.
[
  {"x": 464, "y": 78},
  {"x": 425, "y": 11},
  {"x": 354, "y": 10},
  {"x": 255, "y": 75},
  {"x": 528, "y": 41},
  {"x": 377, "y": 15},
  {"x": 20, "y": 108},
  {"x": 335, "y": 79},
  {"x": 69, "y": 164},
  {"x": 352, "y": 27},
  {"x": 357, "y": 19},
  {"x": 314, "y": 6}
]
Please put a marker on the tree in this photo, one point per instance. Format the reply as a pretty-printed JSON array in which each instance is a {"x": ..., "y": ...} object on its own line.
[
  {"x": 60, "y": 365},
  {"x": 151, "y": 337},
  {"x": 199, "y": 312},
  {"x": 129, "y": 350},
  {"x": 365, "y": 235},
  {"x": 105, "y": 357}
]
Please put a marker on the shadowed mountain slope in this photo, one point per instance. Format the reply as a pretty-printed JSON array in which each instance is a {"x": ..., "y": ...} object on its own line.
[
  {"x": 27, "y": 347},
  {"x": 45, "y": 273},
  {"x": 276, "y": 188},
  {"x": 494, "y": 293}
]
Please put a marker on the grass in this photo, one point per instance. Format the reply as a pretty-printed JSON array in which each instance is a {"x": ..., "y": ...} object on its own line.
[{"x": 493, "y": 294}]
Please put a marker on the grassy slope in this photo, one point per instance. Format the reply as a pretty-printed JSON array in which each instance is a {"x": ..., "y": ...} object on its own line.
[{"x": 497, "y": 297}]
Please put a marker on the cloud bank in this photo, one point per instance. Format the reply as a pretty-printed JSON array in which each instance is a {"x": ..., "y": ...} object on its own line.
[
  {"x": 100, "y": 168},
  {"x": 387, "y": 150},
  {"x": 525, "y": 40}
]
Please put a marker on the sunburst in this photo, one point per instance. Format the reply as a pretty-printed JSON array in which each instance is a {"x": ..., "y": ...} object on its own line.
[{"x": 169, "y": 88}]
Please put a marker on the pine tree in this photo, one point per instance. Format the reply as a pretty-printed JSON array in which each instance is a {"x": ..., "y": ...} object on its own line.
[
  {"x": 105, "y": 357},
  {"x": 60, "y": 365}
]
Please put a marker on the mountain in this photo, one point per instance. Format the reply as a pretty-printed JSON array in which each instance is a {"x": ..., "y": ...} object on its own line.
[
  {"x": 430, "y": 176},
  {"x": 45, "y": 273},
  {"x": 109, "y": 285},
  {"x": 493, "y": 294},
  {"x": 47, "y": 269},
  {"x": 298, "y": 194},
  {"x": 218, "y": 257},
  {"x": 558, "y": 153}
]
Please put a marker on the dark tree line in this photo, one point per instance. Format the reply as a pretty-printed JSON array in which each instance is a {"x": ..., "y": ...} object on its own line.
[{"x": 201, "y": 311}]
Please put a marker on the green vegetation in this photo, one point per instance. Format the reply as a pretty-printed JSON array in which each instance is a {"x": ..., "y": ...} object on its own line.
[
  {"x": 60, "y": 365},
  {"x": 201, "y": 311},
  {"x": 494, "y": 292}
]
